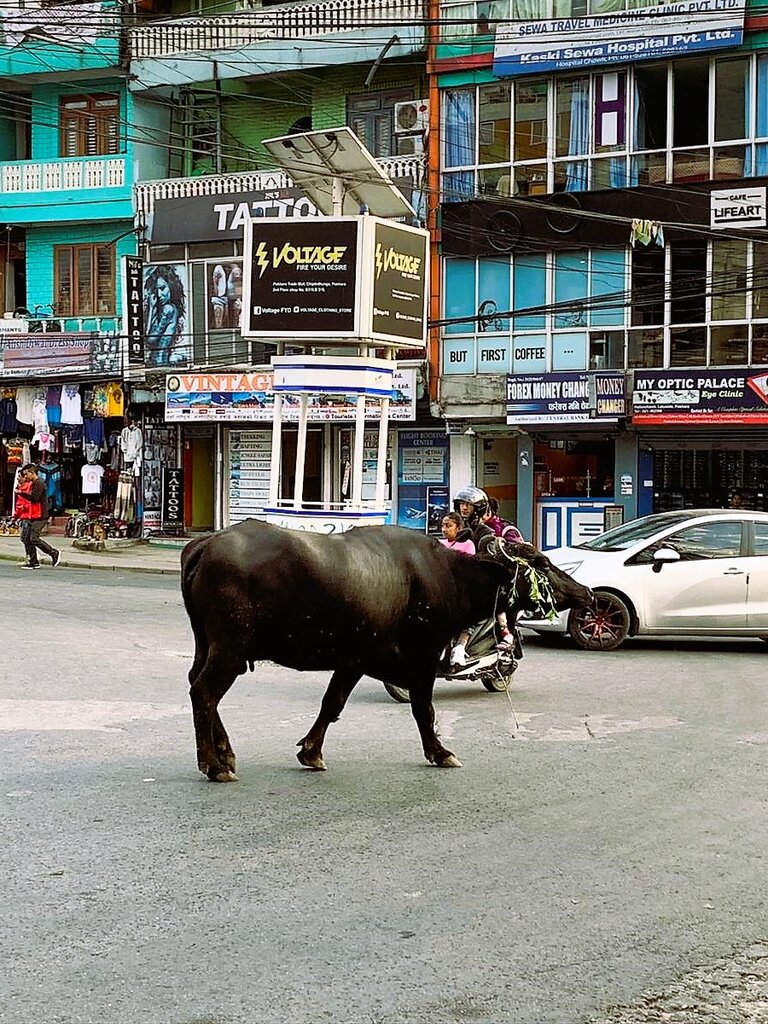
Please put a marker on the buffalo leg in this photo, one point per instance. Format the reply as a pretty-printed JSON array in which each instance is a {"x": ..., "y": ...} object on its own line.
[
  {"x": 212, "y": 682},
  {"x": 424, "y": 712},
  {"x": 341, "y": 685},
  {"x": 220, "y": 738}
]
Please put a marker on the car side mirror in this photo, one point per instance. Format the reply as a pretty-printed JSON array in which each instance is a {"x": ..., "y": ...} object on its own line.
[{"x": 663, "y": 555}]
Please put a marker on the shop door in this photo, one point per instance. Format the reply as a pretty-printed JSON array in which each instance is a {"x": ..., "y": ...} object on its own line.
[{"x": 199, "y": 466}]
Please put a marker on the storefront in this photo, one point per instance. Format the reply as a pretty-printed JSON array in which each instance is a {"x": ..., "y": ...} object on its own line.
[
  {"x": 570, "y": 451},
  {"x": 225, "y": 418},
  {"x": 62, "y": 407},
  {"x": 702, "y": 438}
]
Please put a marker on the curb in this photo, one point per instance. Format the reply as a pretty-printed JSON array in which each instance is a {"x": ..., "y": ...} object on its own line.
[{"x": 110, "y": 568}]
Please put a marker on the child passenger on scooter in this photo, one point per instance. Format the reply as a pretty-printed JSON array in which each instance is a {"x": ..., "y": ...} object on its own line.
[{"x": 455, "y": 536}]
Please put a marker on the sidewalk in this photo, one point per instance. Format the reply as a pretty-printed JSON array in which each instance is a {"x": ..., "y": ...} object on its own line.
[{"x": 147, "y": 556}]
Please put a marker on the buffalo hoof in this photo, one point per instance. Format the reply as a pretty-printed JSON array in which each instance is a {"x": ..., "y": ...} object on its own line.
[
  {"x": 449, "y": 762},
  {"x": 313, "y": 761},
  {"x": 224, "y": 776}
]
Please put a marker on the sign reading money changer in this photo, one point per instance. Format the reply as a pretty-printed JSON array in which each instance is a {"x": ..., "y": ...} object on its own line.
[{"x": 347, "y": 278}]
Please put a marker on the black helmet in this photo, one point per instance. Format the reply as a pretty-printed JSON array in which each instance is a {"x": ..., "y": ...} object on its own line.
[{"x": 476, "y": 498}]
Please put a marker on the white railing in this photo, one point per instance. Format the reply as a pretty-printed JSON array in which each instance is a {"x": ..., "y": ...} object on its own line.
[
  {"x": 148, "y": 192},
  {"x": 26, "y": 176},
  {"x": 300, "y": 21}
]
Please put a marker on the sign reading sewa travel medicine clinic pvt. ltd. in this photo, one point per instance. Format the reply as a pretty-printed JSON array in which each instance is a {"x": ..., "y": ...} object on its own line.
[
  {"x": 533, "y": 46},
  {"x": 743, "y": 207}
]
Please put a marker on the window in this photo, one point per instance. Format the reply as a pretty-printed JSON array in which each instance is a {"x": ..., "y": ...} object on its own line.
[
  {"x": 729, "y": 280},
  {"x": 651, "y": 106},
  {"x": 84, "y": 279},
  {"x": 90, "y": 125},
  {"x": 731, "y": 111},
  {"x": 494, "y": 123},
  {"x": 371, "y": 116},
  {"x": 761, "y": 539},
  {"x": 707, "y": 540},
  {"x": 688, "y": 273}
]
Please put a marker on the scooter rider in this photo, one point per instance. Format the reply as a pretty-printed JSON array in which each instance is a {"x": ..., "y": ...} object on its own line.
[{"x": 472, "y": 505}]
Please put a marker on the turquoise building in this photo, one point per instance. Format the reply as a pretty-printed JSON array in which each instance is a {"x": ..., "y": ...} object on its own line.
[{"x": 73, "y": 141}]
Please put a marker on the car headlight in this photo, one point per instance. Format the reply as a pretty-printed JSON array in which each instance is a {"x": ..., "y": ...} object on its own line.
[{"x": 570, "y": 567}]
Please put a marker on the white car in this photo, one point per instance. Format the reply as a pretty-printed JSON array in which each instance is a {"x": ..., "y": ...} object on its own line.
[{"x": 687, "y": 572}]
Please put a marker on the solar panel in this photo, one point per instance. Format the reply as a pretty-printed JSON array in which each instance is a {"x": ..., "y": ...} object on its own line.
[{"x": 334, "y": 165}]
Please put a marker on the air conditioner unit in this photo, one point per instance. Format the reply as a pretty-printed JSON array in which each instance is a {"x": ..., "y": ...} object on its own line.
[
  {"x": 410, "y": 145},
  {"x": 412, "y": 116}
]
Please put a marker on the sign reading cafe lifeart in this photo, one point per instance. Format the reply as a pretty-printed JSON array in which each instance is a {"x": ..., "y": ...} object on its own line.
[{"x": 528, "y": 46}]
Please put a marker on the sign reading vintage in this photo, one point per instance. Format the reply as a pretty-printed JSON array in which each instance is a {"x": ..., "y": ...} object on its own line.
[
  {"x": 232, "y": 397},
  {"x": 172, "y": 500},
  {"x": 700, "y": 397},
  {"x": 565, "y": 397},
  {"x": 133, "y": 308},
  {"x": 302, "y": 278},
  {"x": 399, "y": 283}
]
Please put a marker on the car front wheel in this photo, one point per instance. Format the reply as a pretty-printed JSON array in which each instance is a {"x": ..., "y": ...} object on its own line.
[{"x": 603, "y": 626}]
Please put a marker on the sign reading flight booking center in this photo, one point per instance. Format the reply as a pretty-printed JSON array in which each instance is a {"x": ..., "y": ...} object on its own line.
[
  {"x": 644, "y": 33},
  {"x": 352, "y": 279}
]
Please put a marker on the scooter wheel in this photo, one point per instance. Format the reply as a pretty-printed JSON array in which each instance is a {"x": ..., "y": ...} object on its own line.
[
  {"x": 398, "y": 693},
  {"x": 498, "y": 682}
]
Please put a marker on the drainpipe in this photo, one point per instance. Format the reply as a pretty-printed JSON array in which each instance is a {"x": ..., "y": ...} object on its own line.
[{"x": 433, "y": 196}]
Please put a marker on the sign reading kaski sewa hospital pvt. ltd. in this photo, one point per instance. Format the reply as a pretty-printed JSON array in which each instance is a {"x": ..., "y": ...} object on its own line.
[
  {"x": 527, "y": 46},
  {"x": 343, "y": 278}
]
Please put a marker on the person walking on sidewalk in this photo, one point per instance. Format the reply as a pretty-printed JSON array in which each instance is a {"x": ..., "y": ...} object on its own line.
[{"x": 32, "y": 510}]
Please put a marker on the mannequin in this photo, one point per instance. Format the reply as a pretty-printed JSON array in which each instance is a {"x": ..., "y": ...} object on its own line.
[{"x": 131, "y": 446}]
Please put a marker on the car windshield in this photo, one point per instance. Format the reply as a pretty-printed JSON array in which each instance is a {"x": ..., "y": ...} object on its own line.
[{"x": 622, "y": 537}]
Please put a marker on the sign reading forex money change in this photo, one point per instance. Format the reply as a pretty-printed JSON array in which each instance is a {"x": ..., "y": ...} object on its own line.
[{"x": 346, "y": 278}]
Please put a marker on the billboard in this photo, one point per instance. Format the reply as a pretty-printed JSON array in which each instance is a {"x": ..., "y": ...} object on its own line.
[
  {"x": 197, "y": 218},
  {"x": 346, "y": 278},
  {"x": 566, "y": 397},
  {"x": 133, "y": 311},
  {"x": 166, "y": 314},
  {"x": 701, "y": 396},
  {"x": 538, "y": 45},
  {"x": 35, "y": 355},
  {"x": 301, "y": 279},
  {"x": 235, "y": 397},
  {"x": 399, "y": 301}
]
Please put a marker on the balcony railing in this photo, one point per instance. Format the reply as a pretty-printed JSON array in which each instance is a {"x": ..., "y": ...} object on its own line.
[
  {"x": 66, "y": 175},
  {"x": 410, "y": 168},
  {"x": 302, "y": 21}
]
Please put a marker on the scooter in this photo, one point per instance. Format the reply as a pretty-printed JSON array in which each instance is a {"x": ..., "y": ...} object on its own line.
[{"x": 492, "y": 663}]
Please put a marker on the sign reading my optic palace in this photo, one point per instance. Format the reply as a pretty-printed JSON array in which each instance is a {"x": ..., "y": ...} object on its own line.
[{"x": 644, "y": 33}]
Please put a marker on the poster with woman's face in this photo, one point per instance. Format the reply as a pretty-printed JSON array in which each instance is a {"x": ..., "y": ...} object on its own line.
[
  {"x": 166, "y": 315},
  {"x": 225, "y": 296}
]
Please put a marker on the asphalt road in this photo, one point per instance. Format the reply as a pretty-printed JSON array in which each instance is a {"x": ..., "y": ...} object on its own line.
[{"x": 600, "y": 857}]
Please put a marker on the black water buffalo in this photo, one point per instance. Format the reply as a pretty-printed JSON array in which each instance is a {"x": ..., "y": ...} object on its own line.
[{"x": 379, "y": 601}]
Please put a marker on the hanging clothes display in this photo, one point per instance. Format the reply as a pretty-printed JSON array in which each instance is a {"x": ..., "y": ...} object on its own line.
[
  {"x": 71, "y": 404},
  {"x": 125, "y": 502}
]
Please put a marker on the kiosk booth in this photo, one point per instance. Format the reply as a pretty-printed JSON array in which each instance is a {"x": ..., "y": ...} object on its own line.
[{"x": 340, "y": 295}]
